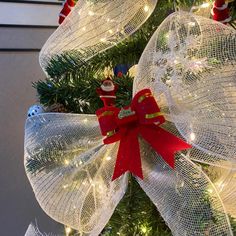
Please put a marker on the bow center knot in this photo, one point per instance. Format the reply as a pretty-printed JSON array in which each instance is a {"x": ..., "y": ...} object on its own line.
[{"x": 125, "y": 113}]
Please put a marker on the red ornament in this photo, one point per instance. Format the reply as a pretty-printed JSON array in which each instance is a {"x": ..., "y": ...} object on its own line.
[
  {"x": 141, "y": 118},
  {"x": 119, "y": 74},
  {"x": 107, "y": 92},
  {"x": 220, "y": 11},
  {"x": 67, "y": 7}
]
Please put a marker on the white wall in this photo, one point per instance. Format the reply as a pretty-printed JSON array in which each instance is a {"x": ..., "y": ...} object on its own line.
[
  {"x": 18, "y": 206},
  {"x": 27, "y": 13}
]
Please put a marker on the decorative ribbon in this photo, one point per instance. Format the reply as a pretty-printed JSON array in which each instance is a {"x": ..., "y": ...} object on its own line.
[
  {"x": 142, "y": 118},
  {"x": 194, "y": 79}
]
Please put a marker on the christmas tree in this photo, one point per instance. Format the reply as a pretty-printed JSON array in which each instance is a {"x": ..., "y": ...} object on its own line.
[{"x": 72, "y": 86}]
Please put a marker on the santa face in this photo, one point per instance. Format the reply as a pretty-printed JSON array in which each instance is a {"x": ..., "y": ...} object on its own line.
[{"x": 108, "y": 86}]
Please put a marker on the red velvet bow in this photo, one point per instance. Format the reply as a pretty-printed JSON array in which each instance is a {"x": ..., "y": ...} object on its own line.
[{"x": 142, "y": 118}]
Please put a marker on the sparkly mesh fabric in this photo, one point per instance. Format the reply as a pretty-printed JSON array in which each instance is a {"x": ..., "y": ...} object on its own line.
[
  {"x": 33, "y": 231},
  {"x": 189, "y": 64},
  {"x": 94, "y": 26},
  {"x": 71, "y": 170},
  {"x": 224, "y": 180},
  {"x": 185, "y": 197}
]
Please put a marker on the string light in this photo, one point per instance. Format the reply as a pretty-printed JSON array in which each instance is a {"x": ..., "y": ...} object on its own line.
[
  {"x": 103, "y": 40},
  {"x": 220, "y": 185},
  {"x": 85, "y": 120},
  {"x": 191, "y": 23},
  {"x": 192, "y": 136},
  {"x": 205, "y": 5},
  {"x": 91, "y": 13},
  {"x": 110, "y": 31},
  {"x": 66, "y": 162},
  {"x": 210, "y": 190},
  {"x": 108, "y": 158},
  {"x": 176, "y": 61},
  {"x": 144, "y": 229},
  {"x": 146, "y": 8},
  {"x": 65, "y": 186},
  {"x": 68, "y": 231},
  {"x": 167, "y": 36}
]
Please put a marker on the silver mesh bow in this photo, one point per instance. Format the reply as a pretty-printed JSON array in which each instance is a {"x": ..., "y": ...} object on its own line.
[
  {"x": 94, "y": 26},
  {"x": 189, "y": 64},
  {"x": 34, "y": 231}
]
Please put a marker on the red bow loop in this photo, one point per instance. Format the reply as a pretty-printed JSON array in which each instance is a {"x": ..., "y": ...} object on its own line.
[
  {"x": 146, "y": 108},
  {"x": 126, "y": 125}
]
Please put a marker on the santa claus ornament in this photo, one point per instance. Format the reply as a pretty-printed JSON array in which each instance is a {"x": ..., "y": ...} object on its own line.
[
  {"x": 220, "y": 11},
  {"x": 67, "y": 7},
  {"x": 107, "y": 92}
]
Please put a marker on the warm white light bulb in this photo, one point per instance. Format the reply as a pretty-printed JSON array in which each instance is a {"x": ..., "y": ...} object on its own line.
[
  {"x": 108, "y": 158},
  {"x": 167, "y": 36},
  {"x": 144, "y": 229},
  {"x": 146, "y": 8},
  {"x": 192, "y": 136},
  {"x": 68, "y": 230},
  {"x": 205, "y": 5},
  {"x": 210, "y": 190},
  {"x": 91, "y": 13},
  {"x": 66, "y": 162},
  {"x": 65, "y": 186},
  {"x": 103, "y": 40},
  {"x": 191, "y": 23},
  {"x": 220, "y": 184}
]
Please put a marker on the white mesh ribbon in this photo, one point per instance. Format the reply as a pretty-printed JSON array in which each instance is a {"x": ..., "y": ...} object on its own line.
[
  {"x": 34, "y": 231},
  {"x": 94, "y": 26},
  {"x": 190, "y": 66},
  {"x": 71, "y": 170}
]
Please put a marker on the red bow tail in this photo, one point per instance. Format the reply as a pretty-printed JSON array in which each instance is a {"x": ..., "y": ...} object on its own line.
[
  {"x": 128, "y": 158},
  {"x": 163, "y": 142}
]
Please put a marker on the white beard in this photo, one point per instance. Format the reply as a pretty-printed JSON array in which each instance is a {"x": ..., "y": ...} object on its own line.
[{"x": 107, "y": 88}]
